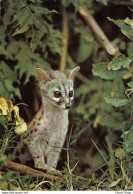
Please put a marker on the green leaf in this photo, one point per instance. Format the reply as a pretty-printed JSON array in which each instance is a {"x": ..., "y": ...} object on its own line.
[
  {"x": 126, "y": 27},
  {"x": 6, "y": 53},
  {"x": 11, "y": 88},
  {"x": 22, "y": 20},
  {"x": 55, "y": 40},
  {"x": 75, "y": 3},
  {"x": 13, "y": 47},
  {"x": 8, "y": 176},
  {"x": 3, "y": 159},
  {"x": 3, "y": 121},
  {"x": 37, "y": 36},
  {"x": 104, "y": 2},
  {"x": 83, "y": 89},
  {"x": 81, "y": 110},
  {"x": 2, "y": 36},
  {"x": 117, "y": 98},
  {"x": 119, "y": 62},
  {"x": 120, "y": 43},
  {"x": 112, "y": 119},
  {"x": 130, "y": 49},
  {"x": 10, "y": 78},
  {"x": 25, "y": 26},
  {"x": 130, "y": 84},
  {"x": 21, "y": 14},
  {"x": 101, "y": 70},
  {"x": 3, "y": 90},
  {"x": 30, "y": 61},
  {"x": 17, "y": 4},
  {"x": 128, "y": 143},
  {"x": 41, "y": 24},
  {"x": 129, "y": 22},
  {"x": 87, "y": 45},
  {"x": 9, "y": 73},
  {"x": 86, "y": 3},
  {"x": 8, "y": 15},
  {"x": 84, "y": 52},
  {"x": 39, "y": 9},
  {"x": 117, "y": 102}
]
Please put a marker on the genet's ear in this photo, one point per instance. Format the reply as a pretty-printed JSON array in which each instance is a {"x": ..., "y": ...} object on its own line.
[
  {"x": 73, "y": 72},
  {"x": 43, "y": 76}
]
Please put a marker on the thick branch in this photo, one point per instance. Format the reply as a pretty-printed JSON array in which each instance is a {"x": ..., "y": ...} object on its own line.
[
  {"x": 99, "y": 34},
  {"x": 65, "y": 43},
  {"x": 23, "y": 169},
  {"x": 27, "y": 170}
]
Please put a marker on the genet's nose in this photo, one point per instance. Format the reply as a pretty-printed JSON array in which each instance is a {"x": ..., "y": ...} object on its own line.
[{"x": 68, "y": 106}]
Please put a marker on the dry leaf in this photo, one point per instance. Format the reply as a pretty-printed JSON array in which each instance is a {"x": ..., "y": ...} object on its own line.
[
  {"x": 21, "y": 126},
  {"x": 114, "y": 183},
  {"x": 4, "y": 106},
  {"x": 16, "y": 113},
  {"x": 10, "y": 107}
]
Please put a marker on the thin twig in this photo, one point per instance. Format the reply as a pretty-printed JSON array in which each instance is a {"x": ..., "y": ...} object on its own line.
[
  {"x": 65, "y": 43},
  {"x": 99, "y": 34},
  {"x": 23, "y": 169},
  {"x": 128, "y": 3}
]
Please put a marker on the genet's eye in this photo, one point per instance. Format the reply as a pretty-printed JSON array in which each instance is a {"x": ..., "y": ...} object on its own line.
[
  {"x": 71, "y": 94},
  {"x": 57, "y": 94}
]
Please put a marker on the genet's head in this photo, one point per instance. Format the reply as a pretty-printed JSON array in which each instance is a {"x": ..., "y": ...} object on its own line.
[{"x": 57, "y": 87}]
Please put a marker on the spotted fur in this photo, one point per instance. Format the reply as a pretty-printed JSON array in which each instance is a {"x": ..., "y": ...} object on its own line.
[{"x": 47, "y": 130}]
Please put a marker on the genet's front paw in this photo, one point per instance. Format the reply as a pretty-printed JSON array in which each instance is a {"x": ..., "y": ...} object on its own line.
[{"x": 41, "y": 165}]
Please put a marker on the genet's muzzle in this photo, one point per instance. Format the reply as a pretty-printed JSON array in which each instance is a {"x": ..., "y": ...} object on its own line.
[{"x": 68, "y": 106}]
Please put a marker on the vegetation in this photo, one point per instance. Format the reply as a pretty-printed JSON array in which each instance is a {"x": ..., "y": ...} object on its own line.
[{"x": 53, "y": 34}]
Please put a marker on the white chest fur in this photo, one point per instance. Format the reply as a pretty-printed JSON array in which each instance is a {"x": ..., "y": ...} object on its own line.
[{"x": 54, "y": 125}]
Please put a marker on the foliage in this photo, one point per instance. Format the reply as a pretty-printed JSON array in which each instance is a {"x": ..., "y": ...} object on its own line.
[
  {"x": 31, "y": 37},
  {"x": 24, "y": 34},
  {"x": 126, "y": 26}
]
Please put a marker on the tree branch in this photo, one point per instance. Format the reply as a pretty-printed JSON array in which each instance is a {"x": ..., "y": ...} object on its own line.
[
  {"x": 65, "y": 45},
  {"x": 27, "y": 170},
  {"x": 23, "y": 169},
  {"x": 128, "y": 3},
  {"x": 99, "y": 34}
]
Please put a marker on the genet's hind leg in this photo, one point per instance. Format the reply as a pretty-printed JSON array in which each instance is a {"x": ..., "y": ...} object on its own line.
[{"x": 18, "y": 152}]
